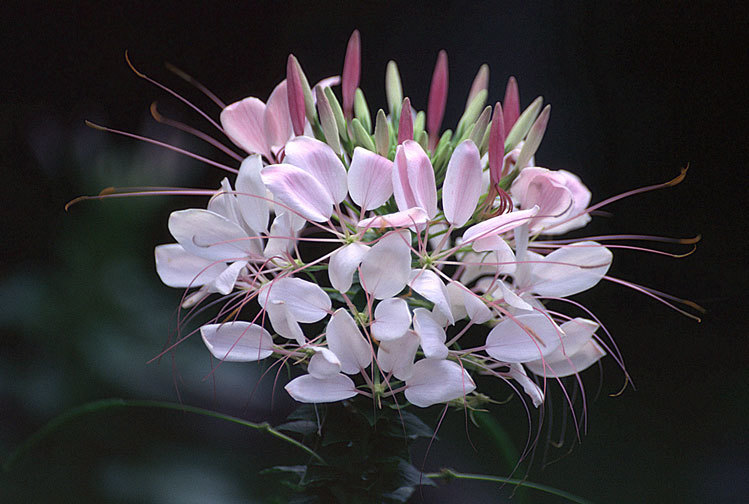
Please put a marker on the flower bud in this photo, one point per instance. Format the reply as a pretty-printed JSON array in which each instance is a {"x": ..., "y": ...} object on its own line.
[{"x": 393, "y": 89}]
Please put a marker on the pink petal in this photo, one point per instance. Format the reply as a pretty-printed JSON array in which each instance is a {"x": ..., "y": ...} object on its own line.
[
  {"x": 243, "y": 123},
  {"x": 370, "y": 179},
  {"x": 237, "y": 341},
  {"x": 528, "y": 337},
  {"x": 414, "y": 217},
  {"x": 295, "y": 95},
  {"x": 511, "y": 103},
  {"x": 463, "y": 184},
  {"x": 277, "y": 120},
  {"x": 437, "y": 95},
  {"x": 308, "y": 389},
  {"x": 351, "y": 72},
  {"x": 298, "y": 190},
  {"x": 346, "y": 341},
  {"x": 320, "y": 161},
  {"x": 485, "y": 235},
  {"x": 437, "y": 381},
  {"x": 406, "y": 123},
  {"x": 413, "y": 179}
]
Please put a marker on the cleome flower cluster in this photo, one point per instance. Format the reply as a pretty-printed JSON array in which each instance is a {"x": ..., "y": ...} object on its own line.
[{"x": 384, "y": 258}]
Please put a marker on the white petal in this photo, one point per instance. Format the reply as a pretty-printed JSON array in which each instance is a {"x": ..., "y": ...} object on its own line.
[
  {"x": 224, "y": 283},
  {"x": 370, "y": 179},
  {"x": 577, "y": 332},
  {"x": 429, "y": 285},
  {"x": 571, "y": 269},
  {"x": 585, "y": 357},
  {"x": 347, "y": 342},
  {"x": 494, "y": 262},
  {"x": 251, "y": 194},
  {"x": 320, "y": 161},
  {"x": 392, "y": 319},
  {"x": 476, "y": 307},
  {"x": 178, "y": 268},
  {"x": 323, "y": 364},
  {"x": 209, "y": 235},
  {"x": 455, "y": 297},
  {"x": 463, "y": 185},
  {"x": 224, "y": 202},
  {"x": 437, "y": 381},
  {"x": 283, "y": 323},
  {"x": 308, "y": 389},
  {"x": 511, "y": 298},
  {"x": 237, "y": 341},
  {"x": 281, "y": 237},
  {"x": 344, "y": 263},
  {"x": 386, "y": 266},
  {"x": 577, "y": 352},
  {"x": 398, "y": 355},
  {"x": 529, "y": 386},
  {"x": 305, "y": 301},
  {"x": 528, "y": 337},
  {"x": 299, "y": 191},
  {"x": 431, "y": 334}
]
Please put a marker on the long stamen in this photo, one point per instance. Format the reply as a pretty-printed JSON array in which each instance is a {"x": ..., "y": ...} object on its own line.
[
  {"x": 162, "y": 144},
  {"x": 200, "y": 87},
  {"x": 173, "y": 93},
  {"x": 192, "y": 131}
]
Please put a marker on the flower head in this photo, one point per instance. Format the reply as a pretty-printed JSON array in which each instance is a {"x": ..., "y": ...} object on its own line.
[{"x": 390, "y": 260}]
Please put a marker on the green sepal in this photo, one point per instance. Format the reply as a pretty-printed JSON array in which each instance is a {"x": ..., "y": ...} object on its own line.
[
  {"x": 472, "y": 113},
  {"x": 337, "y": 113},
  {"x": 361, "y": 137},
  {"x": 523, "y": 124},
  {"x": 361, "y": 110},
  {"x": 393, "y": 90}
]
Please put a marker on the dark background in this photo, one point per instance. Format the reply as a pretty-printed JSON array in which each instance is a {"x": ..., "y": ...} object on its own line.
[{"x": 638, "y": 91}]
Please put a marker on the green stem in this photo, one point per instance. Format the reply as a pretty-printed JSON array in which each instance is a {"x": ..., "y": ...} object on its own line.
[
  {"x": 449, "y": 474},
  {"x": 105, "y": 404}
]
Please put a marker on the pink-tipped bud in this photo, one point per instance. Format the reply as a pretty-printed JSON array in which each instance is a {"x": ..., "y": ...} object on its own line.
[
  {"x": 480, "y": 82},
  {"x": 496, "y": 145},
  {"x": 511, "y": 104},
  {"x": 295, "y": 94},
  {"x": 437, "y": 95},
  {"x": 351, "y": 72},
  {"x": 406, "y": 123}
]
